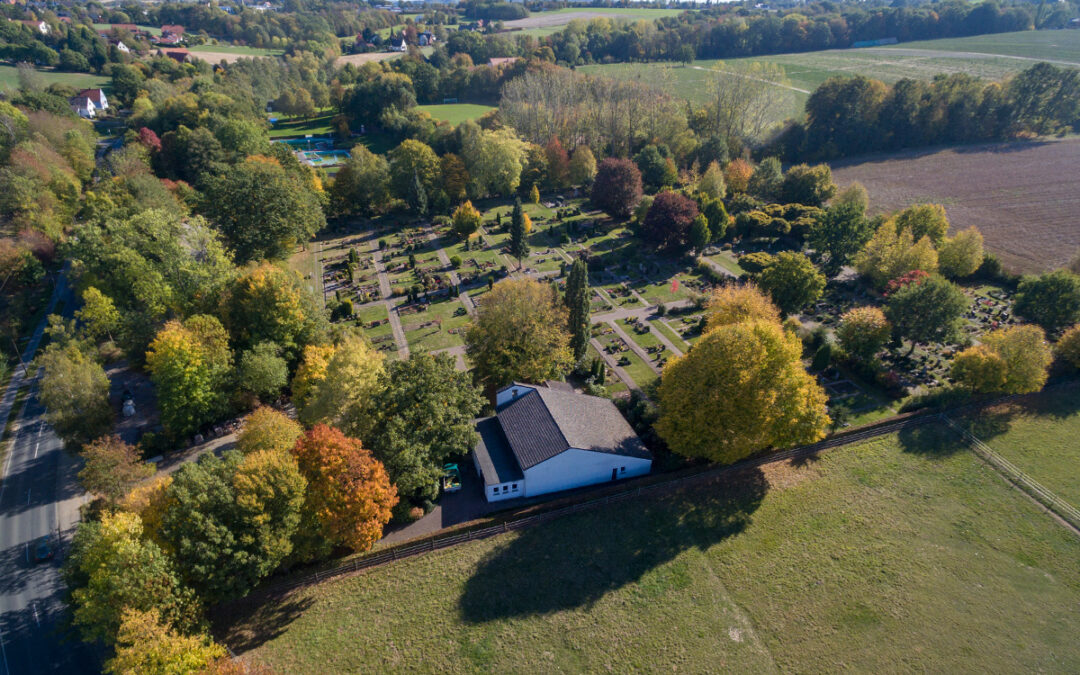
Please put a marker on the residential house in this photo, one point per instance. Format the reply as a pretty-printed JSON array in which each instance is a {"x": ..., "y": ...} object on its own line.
[
  {"x": 39, "y": 26},
  {"x": 178, "y": 55},
  {"x": 123, "y": 48},
  {"x": 172, "y": 29},
  {"x": 95, "y": 95},
  {"x": 397, "y": 44},
  {"x": 426, "y": 38},
  {"x": 544, "y": 439},
  {"x": 83, "y": 107}
]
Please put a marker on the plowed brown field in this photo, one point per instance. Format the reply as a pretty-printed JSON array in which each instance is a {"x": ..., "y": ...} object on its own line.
[{"x": 1024, "y": 197}]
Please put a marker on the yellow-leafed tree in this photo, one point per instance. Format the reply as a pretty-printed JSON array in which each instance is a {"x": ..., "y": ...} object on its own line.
[
  {"x": 1010, "y": 361},
  {"x": 145, "y": 645},
  {"x": 736, "y": 304},
  {"x": 741, "y": 389},
  {"x": 268, "y": 429}
]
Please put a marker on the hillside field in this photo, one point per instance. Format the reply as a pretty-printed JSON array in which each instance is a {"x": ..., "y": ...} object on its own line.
[
  {"x": 1024, "y": 197},
  {"x": 991, "y": 57},
  {"x": 553, "y": 21},
  {"x": 905, "y": 553},
  {"x": 9, "y": 79}
]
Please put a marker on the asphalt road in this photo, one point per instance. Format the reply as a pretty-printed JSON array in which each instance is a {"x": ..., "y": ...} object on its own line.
[{"x": 39, "y": 497}]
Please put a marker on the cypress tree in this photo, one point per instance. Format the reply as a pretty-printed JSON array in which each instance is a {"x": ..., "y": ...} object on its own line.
[
  {"x": 519, "y": 247},
  {"x": 577, "y": 302}
]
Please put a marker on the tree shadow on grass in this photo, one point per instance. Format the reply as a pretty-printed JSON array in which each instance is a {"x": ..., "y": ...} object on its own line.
[
  {"x": 1053, "y": 405},
  {"x": 933, "y": 441},
  {"x": 573, "y": 562},
  {"x": 249, "y": 623}
]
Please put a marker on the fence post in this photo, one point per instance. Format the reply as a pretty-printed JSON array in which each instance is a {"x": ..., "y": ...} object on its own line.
[
  {"x": 393, "y": 551},
  {"x": 432, "y": 542},
  {"x": 504, "y": 526}
]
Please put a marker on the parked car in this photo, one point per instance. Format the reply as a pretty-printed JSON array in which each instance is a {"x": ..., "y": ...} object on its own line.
[{"x": 43, "y": 550}]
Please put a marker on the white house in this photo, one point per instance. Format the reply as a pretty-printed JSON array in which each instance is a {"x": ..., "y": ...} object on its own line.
[
  {"x": 83, "y": 107},
  {"x": 545, "y": 440},
  {"x": 39, "y": 26},
  {"x": 97, "y": 96},
  {"x": 120, "y": 46}
]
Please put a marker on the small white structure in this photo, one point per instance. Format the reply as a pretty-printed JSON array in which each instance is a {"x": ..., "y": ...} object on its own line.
[
  {"x": 123, "y": 48},
  {"x": 97, "y": 96},
  {"x": 39, "y": 26},
  {"x": 396, "y": 46},
  {"x": 545, "y": 440},
  {"x": 83, "y": 107}
]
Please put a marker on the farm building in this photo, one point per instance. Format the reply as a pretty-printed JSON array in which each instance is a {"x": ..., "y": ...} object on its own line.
[
  {"x": 545, "y": 440},
  {"x": 83, "y": 106},
  {"x": 95, "y": 95}
]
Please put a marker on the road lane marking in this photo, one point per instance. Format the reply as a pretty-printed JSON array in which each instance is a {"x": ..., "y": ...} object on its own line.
[
  {"x": 7, "y": 671},
  {"x": 28, "y": 497}
]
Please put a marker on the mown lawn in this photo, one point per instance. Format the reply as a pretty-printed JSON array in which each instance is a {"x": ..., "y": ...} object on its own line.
[
  {"x": 901, "y": 554},
  {"x": 1040, "y": 436},
  {"x": 226, "y": 48}
]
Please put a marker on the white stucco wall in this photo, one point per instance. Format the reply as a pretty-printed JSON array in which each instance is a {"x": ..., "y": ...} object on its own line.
[
  {"x": 575, "y": 468},
  {"x": 497, "y": 493}
]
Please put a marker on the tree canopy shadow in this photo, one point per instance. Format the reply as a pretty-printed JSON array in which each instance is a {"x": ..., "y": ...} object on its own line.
[
  {"x": 933, "y": 441},
  {"x": 995, "y": 420},
  {"x": 253, "y": 621},
  {"x": 573, "y": 562}
]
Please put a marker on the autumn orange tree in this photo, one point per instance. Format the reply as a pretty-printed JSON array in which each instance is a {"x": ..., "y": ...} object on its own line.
[{"x": 349, "y": 491}]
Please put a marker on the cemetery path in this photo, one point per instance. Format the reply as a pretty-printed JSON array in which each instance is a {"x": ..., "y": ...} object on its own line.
[
  {"x": 666, "y": 342},
  {"x": 399, "y": 333},
  {"x": 635, "y": 347},
  {"x": 635, "y": 312},
  {"x": 611, "y": 363},
  {"x": 380, "y": 270},
  {"x": 470, "y": 306},
  {"x": 718, "y": 267}
]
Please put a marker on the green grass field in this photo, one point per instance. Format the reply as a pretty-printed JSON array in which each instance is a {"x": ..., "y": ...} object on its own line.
[
  {"x": 287, "y": 127},
  {"x": 1039, "y": 437},
  {"x": 9, "y": 79},
  {"x": 901, "y": 554},
  {"x": 455, "y": 113},
  {"x": 992, "y": 57},
  {"x": 540, "y": 24},
  {"x": 149, "y": 29},
  {"x": 224, "y": 48}
]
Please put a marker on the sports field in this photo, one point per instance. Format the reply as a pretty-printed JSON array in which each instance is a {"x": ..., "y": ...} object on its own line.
[
  {"x": 901, "y": 554},
  {"x": 455, "y": 113},
  {"x": 9, "y": 79},
  {"x": 992, "y": 57}
]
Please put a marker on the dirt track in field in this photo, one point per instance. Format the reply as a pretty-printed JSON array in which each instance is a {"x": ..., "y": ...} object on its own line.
[{"x": 1023, "y": 197}]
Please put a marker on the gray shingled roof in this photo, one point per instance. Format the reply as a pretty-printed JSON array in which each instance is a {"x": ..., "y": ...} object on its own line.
[
  {"x": 546, "y": 422},
  {"x": 497, "y": 463}
]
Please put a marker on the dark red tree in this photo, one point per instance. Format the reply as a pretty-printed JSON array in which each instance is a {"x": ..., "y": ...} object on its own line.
[
  {"x": 617, "y": 187},
  {"x": 667, "y": 224},
  {"x": 149, "y": 139}
]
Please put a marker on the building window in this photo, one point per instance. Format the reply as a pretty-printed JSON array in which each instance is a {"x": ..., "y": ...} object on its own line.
[
  {"x": 513, "y": 487},
  {"x": 506, "y": 488},
  {"x": 495, "y": 490},
  {"x": 622, "y": 469}
]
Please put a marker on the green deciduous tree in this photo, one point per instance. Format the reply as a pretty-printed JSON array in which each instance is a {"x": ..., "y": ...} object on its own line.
[
  {"x": 893, "y": 252},
  {"x": 766, "y": 180},
  {"x": 924, "y": 220},
  {"x": 863, "y": 331},
  {"x": 712, "y": 182},
  {"x": 112, "y": 468},
  {"x": 840, "y": 232},
  {"x": 191, "y": 366},
  {"x": 927, "y": 311},
  {"x": 362, "y": 185},
  {"x": 792, "y": 281},
  {"x": 808, "y": 185},
  {"x": 111, "y": 567},
  {"x": 263, "y": 210},
  {"x": 262, "y": 371},
  {"x": 961, "y": 255},
  {"x": 1068, "y": 347},
  {"x": 582, "y": 166},
  {"x": 269, "y": 303},
  {"x": 231, "y": 520},
  {"x": 1051, "y": 300},
  {"x": 341, "y": 394},
  {"x": 741, "y": 389},
  {"x": 423, "y": 415},
  {"x": 75, "y": 393},
  {"x": 98, "y": 315},
  {"x": 519, "y": 334},
  {"x": 413, "y": 163}
]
